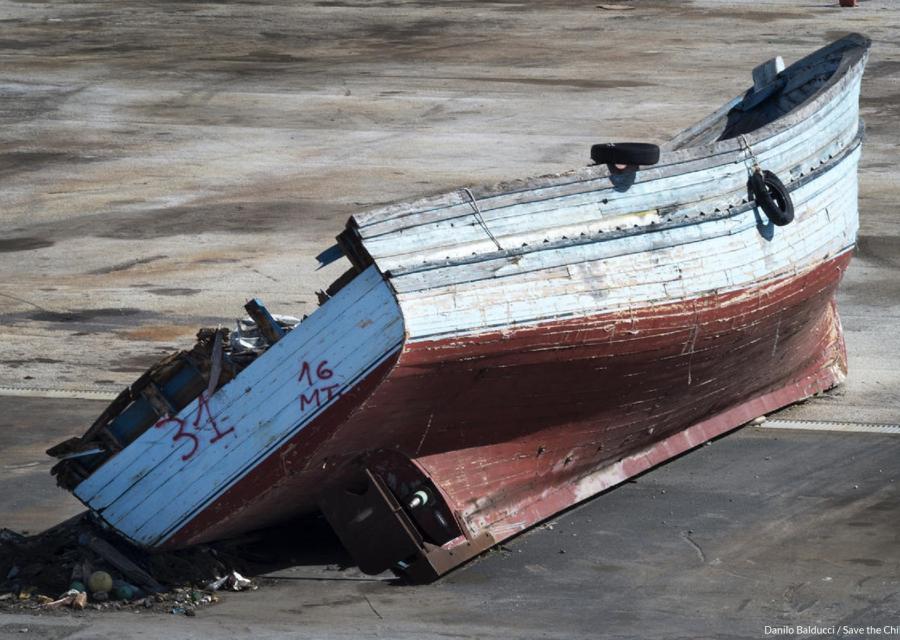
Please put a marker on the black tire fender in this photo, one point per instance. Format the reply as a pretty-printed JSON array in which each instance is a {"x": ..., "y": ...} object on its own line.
[
  {"x": 634, "y": 153},
  {"x": 772, "y": 197}
]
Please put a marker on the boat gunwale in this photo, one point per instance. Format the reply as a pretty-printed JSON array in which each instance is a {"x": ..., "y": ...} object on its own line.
[
  {"x": 848, "y": 69},
  {"x": 606, "y": 236},
  {"x": 723, "y": 199}
]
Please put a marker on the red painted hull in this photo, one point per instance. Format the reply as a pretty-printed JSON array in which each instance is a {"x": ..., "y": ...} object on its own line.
[{"x": 514, "y": 426}]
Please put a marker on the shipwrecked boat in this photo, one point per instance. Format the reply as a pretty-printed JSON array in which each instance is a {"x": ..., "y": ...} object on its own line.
[{"x": 497, "y": 355}]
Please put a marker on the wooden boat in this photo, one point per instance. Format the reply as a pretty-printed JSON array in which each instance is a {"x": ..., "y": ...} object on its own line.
[{"x": 497, "y": 355}]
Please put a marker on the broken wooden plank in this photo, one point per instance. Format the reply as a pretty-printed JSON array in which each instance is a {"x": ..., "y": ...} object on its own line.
[
  {"x": 268, "y": 326},
  {"x": 114, "y": 557}
]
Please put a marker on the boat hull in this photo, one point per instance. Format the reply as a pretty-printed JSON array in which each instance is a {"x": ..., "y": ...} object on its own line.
[
  {"x": 491, "y": 361},
  {"x": 516, "y": 426},
  {"x": 509, "y": 425},
  {"x": 564, "y": 411}
]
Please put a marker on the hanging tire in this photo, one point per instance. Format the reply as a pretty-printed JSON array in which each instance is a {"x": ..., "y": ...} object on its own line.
[
  {"x": 772, "y": 197},
  {"x": 625, "y": 153}
]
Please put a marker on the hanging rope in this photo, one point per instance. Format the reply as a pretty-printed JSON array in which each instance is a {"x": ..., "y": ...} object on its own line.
[
  {"x": 480, "y": 219},
  {"x": 752, "y": 156}
]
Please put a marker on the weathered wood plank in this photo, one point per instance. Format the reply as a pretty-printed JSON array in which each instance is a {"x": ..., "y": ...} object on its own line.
[
  {"x": 459, "y": 236},
  {"x": 826, "y": 225},
  {"x": 845, "y": 80},
  {"x": 795, "y": 137},
  {"x": 607, "y": 246},
  {"x": 256, "y": 404}
]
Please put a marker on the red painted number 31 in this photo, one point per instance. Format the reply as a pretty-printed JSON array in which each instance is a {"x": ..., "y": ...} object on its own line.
[{"x": 183, "y": 434}]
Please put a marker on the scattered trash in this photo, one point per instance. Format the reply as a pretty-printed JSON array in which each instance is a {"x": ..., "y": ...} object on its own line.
[
  {"x": 249, "y": 336},
  {"x": 77, "y": 565},
  {"x": 65, "y": 601},
  {"x": 125, "y": 591},
  {"x": 233, "y": 581},
  {"x": 100, "y": 581}
]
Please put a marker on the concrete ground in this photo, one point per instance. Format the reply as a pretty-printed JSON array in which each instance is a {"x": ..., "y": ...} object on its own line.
[{"x": 161, "y": 162}]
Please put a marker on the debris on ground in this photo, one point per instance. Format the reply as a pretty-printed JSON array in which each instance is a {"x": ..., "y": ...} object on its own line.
[
  {"x": 78, "y": 566},
  {"x": 233, "y": 581}
]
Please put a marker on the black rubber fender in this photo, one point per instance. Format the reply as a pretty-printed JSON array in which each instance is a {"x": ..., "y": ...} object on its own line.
[
  {"x": 636, "y": 153},
  {"x": 772, "y": 197}
]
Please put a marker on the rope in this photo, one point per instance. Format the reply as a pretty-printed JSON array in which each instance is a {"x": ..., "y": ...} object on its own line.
[
  {"x": 480, "y": 220},
  {"x": 746, "y": 145}
]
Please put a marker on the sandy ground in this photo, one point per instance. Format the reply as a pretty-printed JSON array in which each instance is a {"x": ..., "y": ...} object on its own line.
[{"x": 162, "y": 162}]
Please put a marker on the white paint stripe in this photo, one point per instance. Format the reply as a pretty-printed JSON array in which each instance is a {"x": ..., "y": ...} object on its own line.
[
  {"x": 73, "y": 394},
  {"x": 848, "y": 427}
]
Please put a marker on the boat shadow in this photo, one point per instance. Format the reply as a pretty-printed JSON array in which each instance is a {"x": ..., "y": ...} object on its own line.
[
  {"x": 306, "y": 541},
  {"x": 765, "y": 226},
  {"x": 622, "y": 179},
  {"x": 303, "y": 549},
  {"x": 44, "y": 562}
]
